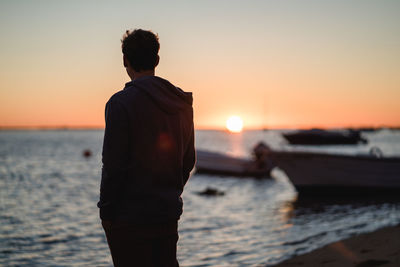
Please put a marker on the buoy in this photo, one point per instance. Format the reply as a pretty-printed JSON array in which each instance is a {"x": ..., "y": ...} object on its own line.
[{"x": 87, "y": 153}]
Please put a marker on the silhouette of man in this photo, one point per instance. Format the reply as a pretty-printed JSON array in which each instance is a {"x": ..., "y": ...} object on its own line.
[{"x": 148, "y": 153}]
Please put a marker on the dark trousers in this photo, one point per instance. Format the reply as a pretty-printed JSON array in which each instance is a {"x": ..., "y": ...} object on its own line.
[{"x": 142, "y": 245}]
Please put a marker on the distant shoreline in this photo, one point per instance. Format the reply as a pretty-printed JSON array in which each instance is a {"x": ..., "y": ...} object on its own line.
[
  {"x": 61, "y": 128},
  {"x": 49, "y": 128}
]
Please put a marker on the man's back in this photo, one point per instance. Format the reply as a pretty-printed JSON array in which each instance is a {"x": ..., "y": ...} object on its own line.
[{"x": 148, "y": 145}]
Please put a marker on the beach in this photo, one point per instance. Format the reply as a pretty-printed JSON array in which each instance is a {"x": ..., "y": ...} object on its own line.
[{"x": 379, "y": 248}]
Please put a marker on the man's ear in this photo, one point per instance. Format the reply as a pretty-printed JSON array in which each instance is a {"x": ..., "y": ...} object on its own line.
[
  {"x": 158, "y": 60},
  {"x": 126, "y": 63}
]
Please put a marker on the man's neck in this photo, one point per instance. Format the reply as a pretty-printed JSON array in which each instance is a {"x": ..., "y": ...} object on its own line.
[{"x": 139, "y": 74}]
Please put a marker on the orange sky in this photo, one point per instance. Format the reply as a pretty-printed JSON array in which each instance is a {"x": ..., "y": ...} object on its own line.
[{"x": 292, "y": 64}]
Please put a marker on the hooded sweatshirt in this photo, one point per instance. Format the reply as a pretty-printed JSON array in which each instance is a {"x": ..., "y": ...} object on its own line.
[{"x": 148, "y": 152}]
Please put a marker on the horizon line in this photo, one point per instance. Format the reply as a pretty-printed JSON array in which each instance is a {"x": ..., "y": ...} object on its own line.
[{"x": 281, "y": 127}]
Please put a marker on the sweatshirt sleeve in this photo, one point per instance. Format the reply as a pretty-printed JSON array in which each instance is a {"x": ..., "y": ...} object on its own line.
[
  {"x": 115, "y": 157},
  {"x": 189, "y": 158}
]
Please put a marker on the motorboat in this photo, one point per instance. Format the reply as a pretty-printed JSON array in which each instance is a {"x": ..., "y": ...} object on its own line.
[{"x": 314, "y": 173}]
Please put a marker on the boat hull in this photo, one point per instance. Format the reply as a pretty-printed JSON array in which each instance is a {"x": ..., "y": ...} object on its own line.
[
  {"x": 223, "y": 165},
  {"x": 317, "y": 173}
]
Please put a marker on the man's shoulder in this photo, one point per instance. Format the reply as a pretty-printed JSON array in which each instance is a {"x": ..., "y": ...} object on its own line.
[
  {"x": 115, "y": 100},
  {"x": 128, "y": 94}
]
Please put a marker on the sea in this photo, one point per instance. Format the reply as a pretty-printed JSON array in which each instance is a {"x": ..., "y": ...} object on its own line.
[{"x": 49, "y": 191}]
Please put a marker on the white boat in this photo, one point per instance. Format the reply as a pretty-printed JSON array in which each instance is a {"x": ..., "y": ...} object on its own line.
[
  {"x": 320, "y": 174},
  {"x": 220, "y": 164}
]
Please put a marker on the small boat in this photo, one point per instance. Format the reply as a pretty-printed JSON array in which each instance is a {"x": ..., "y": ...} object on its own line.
[
  {"x": 220, "y": 164},
  {"x": 324, "y": 137},
  {"x": 328, "y": 174}
]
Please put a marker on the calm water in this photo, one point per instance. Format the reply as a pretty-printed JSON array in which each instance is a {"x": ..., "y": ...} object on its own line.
[{"x": 48, "y": 213}]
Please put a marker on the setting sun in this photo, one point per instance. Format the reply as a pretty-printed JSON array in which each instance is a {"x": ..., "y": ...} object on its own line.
[{"x": 234, "y": 124}]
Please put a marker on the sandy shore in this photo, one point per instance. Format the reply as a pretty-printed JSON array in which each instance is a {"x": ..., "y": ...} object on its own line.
[{"x": 380, "y": 248}]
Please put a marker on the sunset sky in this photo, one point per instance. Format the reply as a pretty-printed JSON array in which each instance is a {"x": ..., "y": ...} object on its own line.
[{"x": 292, "y": 64}]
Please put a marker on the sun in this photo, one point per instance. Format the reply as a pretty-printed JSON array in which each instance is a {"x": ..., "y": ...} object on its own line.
[{"x": 234, "y": 124}]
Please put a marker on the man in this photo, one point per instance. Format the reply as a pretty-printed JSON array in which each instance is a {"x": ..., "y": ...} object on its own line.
[{"x": 148, "y": 153}]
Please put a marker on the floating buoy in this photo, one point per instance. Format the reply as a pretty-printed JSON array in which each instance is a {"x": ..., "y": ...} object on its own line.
[{"x": 87, "y": 153}]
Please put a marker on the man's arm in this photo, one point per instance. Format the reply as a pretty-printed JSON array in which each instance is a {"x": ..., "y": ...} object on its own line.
[
  {"x": 189, "y": 158},
  {"x": 115, "y": 157}
]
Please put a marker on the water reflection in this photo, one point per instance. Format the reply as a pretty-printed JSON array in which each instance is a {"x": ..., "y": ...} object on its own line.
[
  {"x": 304, "y": 205},
  {"x": 236, "y": 145}
]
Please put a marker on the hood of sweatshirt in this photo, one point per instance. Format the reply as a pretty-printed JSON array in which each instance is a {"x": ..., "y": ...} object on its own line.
[{"x": 164, "y": 94}]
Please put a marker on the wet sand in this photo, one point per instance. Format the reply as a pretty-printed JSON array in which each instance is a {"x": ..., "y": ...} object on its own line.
[{"x": 379, "y": 248}]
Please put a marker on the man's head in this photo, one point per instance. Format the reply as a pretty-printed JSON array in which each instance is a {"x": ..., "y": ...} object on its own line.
[{"x": 140, "y": 49}]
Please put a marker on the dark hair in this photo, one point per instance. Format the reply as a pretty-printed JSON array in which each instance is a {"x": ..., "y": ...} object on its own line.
[{"x": 140, "y": 48}]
